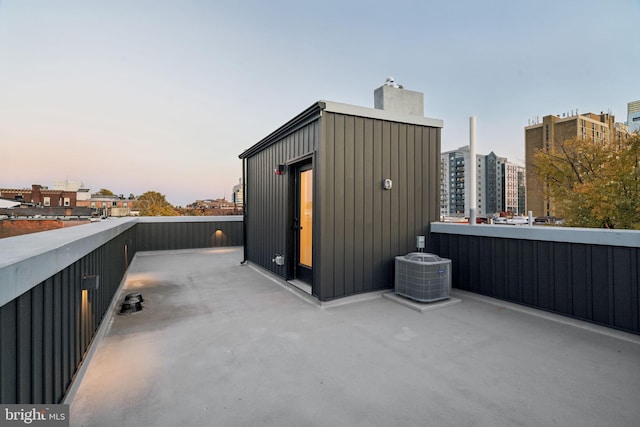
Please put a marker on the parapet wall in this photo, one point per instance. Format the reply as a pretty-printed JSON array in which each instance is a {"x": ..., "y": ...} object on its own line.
[{"x": 589, "y": 274}]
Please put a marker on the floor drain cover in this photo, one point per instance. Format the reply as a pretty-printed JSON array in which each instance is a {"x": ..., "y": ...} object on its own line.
[{"x": 131, "y": 304}]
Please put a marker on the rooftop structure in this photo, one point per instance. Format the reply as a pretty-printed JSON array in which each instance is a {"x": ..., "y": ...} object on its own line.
[{"x": 336, "y": 192}]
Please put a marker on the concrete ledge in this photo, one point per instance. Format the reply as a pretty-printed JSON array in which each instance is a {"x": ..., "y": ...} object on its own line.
[
  {"x": 305, "y": 296},
  {"x": 308, "y": 298},
  {"x": 589, "y": 236},
  {"x": 32, "y": 258},
  {"x": 421, "y": 306},
  {"x": 352, "y": 299}
]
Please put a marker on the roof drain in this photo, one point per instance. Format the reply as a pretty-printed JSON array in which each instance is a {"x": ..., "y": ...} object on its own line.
[{"x": 132, "y": 303}]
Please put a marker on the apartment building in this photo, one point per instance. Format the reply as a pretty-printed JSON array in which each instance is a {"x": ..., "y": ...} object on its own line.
[
  {"x": 548, "y": 133},
  {"x": 499, "y": 184},
  {"x": 633, "y": 116}
]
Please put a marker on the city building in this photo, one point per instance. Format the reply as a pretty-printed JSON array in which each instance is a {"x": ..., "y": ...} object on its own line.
[
  {"x": 454, "y": 199},
  {"x": 222, "y": 204},
  {"x": 71, "y": 194},
  {"x": 110, "y": 205},
  {"x": 633, "y": 116},
  {"x": 24, "y": 211},
  {"x": 553, "y": 129},
  {"x": 337, "y": 192},
  {"x": 493, "y": 194},
  {"x": 514, "y": 188},
  {"x": 40, "y": 195},
  {"x": 500, "y": 184},
  {"x": 238, "y": 194}
]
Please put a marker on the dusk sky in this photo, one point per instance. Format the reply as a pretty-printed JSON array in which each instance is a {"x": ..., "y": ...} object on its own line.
[{"x": 137, "y": 95}]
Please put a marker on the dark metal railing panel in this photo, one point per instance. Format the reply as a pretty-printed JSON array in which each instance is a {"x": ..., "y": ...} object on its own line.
[
  {"x": 46, "y": 330},
  {"x": 155, "y": 236},
  {"x": 594, "y": 282}
]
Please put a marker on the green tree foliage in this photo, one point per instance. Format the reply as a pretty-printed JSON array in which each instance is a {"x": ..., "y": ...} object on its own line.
[
  {"x": 106, "y": 192},
  {"x": 593, "y": 184},
  {"x": 153, "y": 203}
]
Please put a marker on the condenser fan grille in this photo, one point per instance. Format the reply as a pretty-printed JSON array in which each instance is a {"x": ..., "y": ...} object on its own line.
[{"x": 423, "y": 277}]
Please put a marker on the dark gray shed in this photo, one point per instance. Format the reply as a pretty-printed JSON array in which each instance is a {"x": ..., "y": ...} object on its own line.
[{"x": 316, "y": 207}]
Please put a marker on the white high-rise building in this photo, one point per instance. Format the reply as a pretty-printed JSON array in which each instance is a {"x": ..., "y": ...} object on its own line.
[
  {"x": 633, "y": 116},
  {"x": 454, "y": 199},
  {"x": 237, "y": 195},
  {"x": 514, "y": 188},
  {"x": 500, "y": 184}
]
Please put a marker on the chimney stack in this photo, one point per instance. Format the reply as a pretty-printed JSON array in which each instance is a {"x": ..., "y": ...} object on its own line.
[{"x": 394, "y": 98}]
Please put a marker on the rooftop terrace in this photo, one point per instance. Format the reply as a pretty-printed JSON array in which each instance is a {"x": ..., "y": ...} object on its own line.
[{"x": 223, "y": 344}]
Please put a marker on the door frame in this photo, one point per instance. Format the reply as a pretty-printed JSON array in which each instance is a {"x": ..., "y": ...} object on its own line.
[{"x": 294, "y": 167}]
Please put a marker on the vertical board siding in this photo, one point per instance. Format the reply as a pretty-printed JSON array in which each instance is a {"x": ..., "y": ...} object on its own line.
[
  {"x": 596, "y": 283},
  {"x": 157, "y": 236},
  {"x": 45, "y": 331},
  {"x": 367, "y": 219},
  {"x": 359, "y": 237},
  {"x": 363, "y": 225},
  {"x": 267, "y": 199},
  {"x": 338, "y": 190}
]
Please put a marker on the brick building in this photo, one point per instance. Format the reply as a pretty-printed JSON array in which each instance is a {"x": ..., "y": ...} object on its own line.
[
  {"x": 111, "y": 205},
  {"x": 39, "y": 195}
]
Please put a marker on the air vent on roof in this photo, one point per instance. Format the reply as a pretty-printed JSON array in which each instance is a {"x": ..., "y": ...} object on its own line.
[{"x": 132, "y": 303}]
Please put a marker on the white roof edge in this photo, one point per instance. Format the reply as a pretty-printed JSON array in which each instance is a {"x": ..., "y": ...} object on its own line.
[
  {"x": 374, "y": 113},
  {"x": 589, "y": 236},
  {"x": 29, "y": 259},
  {"x": 4, "y": 203}
]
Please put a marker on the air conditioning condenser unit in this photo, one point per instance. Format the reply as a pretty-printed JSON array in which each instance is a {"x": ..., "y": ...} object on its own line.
[{"x": 423, "y": 277}]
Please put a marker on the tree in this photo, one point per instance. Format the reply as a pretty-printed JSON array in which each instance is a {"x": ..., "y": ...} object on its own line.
[
  {"x": 106, "y": 192},
  {"x": 153, "y": 203},
  {"x": 593, "y": 184}
]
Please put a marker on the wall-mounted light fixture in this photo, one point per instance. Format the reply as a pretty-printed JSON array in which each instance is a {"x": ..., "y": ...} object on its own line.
[
  {"x": 279, "y": 170},
  {"x": 90, "y": 283},
  {"x": 387, "y": 184}
]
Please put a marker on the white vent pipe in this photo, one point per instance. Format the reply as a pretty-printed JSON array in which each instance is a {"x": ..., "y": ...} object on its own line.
[{"x": 473, "y": 172}]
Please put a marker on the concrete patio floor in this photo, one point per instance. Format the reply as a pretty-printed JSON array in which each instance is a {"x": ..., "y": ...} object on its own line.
[{"x": 220, "y": 344}]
